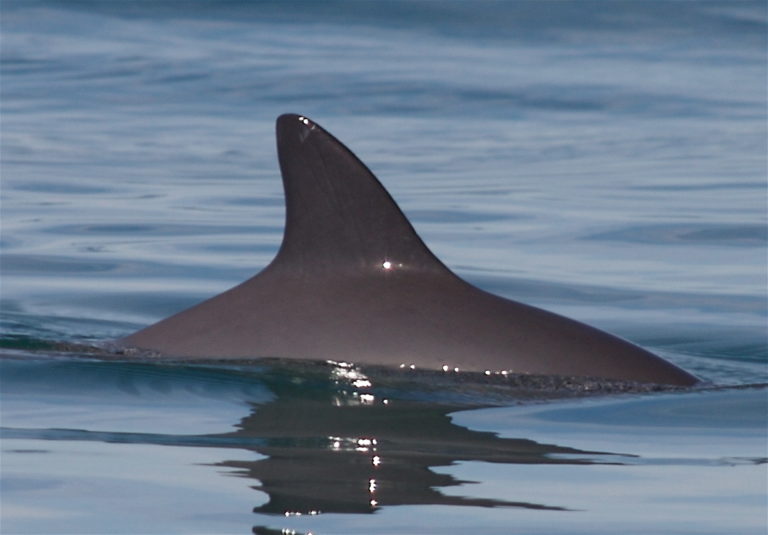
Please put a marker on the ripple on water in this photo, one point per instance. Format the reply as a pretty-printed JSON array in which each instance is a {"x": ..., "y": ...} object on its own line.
[{"x": 690, "y": 234}]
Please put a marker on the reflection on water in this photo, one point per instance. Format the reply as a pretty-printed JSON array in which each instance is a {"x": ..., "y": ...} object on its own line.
[
  {"x": 329, "y": 444},
  {"x": 330, "y": 438},
  {"x": 344, "y": 448}
]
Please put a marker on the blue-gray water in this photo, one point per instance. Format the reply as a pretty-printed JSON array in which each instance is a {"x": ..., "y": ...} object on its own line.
[{"x": 605, "y": 160}]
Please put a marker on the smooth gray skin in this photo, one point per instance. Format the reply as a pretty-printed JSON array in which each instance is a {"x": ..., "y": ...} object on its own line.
[{"x": 353, "y": 282}]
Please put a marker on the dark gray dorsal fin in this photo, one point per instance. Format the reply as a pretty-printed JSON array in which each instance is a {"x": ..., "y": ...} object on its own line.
[
  {"x": 353, "y": 282},
  {"x": 338, "y": 215}
]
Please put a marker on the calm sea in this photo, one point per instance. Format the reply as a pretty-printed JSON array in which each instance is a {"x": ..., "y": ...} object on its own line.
[{"x": 602, "y": 159}]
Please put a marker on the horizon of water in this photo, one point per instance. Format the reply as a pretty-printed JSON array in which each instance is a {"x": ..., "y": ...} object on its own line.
[{"x": 606, "y": 161}]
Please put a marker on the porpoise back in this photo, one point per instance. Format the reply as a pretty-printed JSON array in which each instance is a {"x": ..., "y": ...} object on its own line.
[{"x": 352, "y": 281}]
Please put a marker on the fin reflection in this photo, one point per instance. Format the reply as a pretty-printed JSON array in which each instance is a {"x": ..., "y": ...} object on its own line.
[{"x": 328, "y": 451}]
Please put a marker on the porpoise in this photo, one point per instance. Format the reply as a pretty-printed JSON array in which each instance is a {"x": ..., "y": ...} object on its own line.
[{"x": 352, "y": 281}]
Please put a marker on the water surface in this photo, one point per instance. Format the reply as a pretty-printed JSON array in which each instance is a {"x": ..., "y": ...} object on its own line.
[{"x": 606, "y": 161}]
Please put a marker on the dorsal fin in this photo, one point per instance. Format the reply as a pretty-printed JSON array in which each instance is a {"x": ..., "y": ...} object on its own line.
[
  {"x": 353, "y": 282},
  {"x": 338, "y": 215}
]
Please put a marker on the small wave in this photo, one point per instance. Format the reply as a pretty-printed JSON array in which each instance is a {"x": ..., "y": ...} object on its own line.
[{"x": 694, "y": 234}]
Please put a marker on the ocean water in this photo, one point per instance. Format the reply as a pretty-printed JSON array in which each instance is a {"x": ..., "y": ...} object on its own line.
[{"x": 604, "y": 160}]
